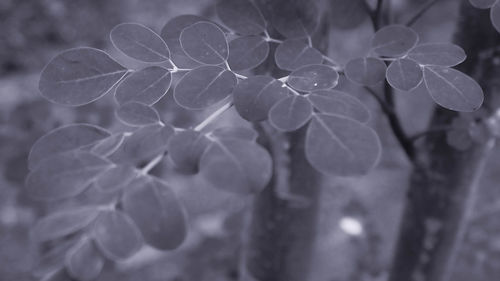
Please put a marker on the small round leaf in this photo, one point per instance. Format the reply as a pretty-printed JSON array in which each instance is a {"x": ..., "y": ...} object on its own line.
[
  {"x": 241, "y": 16},
  {"x": 313, "y": 77},
  {"x": 84, "y": 261},
  {"x": 205, "y": 42},
  {"x": 339, "y": 103},
  {"x": 108, "y": 145},
  {"x": 443, "y": 54},
  {"x": 366, "y": 71},
  {"x": 116, "y": 178},
  {"x": 290, "y": 113},
  {"x": 137, "y": 114},
  {"x": 147, "y": 86},
  {"x": 393, "y": 40},
  {"x": 495, "y": 15},
  {"x": 295, "y": 53},
  {"x": 247, "y": 52},
  {"x": 404, "y": 74}
]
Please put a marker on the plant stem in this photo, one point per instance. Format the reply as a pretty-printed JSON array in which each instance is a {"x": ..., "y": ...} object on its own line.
[{"x": 216, "y": 114}]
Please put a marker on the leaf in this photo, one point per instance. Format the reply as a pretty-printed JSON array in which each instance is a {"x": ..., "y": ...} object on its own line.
[
  {"x": 241, "y": 16},
  {"x": 144, "y": 144},
  {"x": 247, "y": 52},
  {"x": 242, "y": 133},
  {"x": 185, "y": 150},
  {"x": 393, "y": 40},
  {"x": 295, "y": 53},
  {"x": 236, "y": 165},
  {"x": 341, "y": 146},
  {"x": 483, "y": 4},
  {"x": 139, "y": 42},
  {"x": 404, "y": 74},
  {"x": 443, "y": 54},
  {"x": 290, "y": 113},
  {"x": 495, "y": 15},
  {"x": 204, "y": 86},
  {"x": 347, "y": 14},
  {"x": 339, "y": 103},
  {"x": 83, "y": 261},
  {"x": 137, "y": 114},
  {"x": 109, "y": 145},
  {"x": 116, "y": 235},
  {"x": 53, "y": 259},
  {"x": 205, "y": 42},
  {"x": 171, "y": 33},
  {"x": 64, "y": 175},
  {"x": 64, "y": 139},
  {"x": 254, "y": 97},
  {"x": 453, "y": 89},
  {"x": 79, "y": 76},
  {"x": 116, "y": 178},
  {"x": 154, "y": 208},
  {"x": 365, "y": 71},
  {"x": 62, "y": 223},
  {"x": 147, "y": 86},
  {"x": 313, "y": 77}
]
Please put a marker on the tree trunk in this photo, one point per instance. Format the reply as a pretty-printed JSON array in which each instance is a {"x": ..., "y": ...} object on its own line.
[{"x": 445, "y": 180}]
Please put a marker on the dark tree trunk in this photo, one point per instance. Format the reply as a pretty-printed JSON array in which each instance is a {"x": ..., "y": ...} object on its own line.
[{"x": 445, "y": 180}]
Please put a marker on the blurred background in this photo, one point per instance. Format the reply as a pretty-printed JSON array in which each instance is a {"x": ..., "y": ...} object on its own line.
[{"x": 359, "y": 217}]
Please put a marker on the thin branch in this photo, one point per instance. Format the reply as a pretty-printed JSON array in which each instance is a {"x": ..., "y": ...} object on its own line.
[
  {"x": 421, "y": 11},
  {"x": 377, "y": 14},
  {"x": 152, "y": 164},
  {"x": 213, "y": 116}
]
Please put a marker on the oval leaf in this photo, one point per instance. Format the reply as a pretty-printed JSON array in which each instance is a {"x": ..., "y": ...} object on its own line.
[
  {"x": 79, "y": 76},
  {"x": 143, "y": 144},
  {"x": 54, "y": 258},
  {"x": 313, "y": 77},
  {"x": 393, "y": 40},
  {"x": 242, "y": 133},
  {"x": 241, "y": 16},
  {"x": 64, "y": 139},
  {"x": 247, "y": 52},
  {"x": 495, "y": 15},
  {"x": 139, "y": 42},
  {"x": 147, "y": 86},
  {"x": 204, "y": 86},
  {"x": 339, "y": 103},
  {"x": 137, "y": 114},
  {"x": 365, "y": 71},
  {"x": 295, "y": 53},
  {"x": 341, "y": 146},
  {"x": 482, "y": 4},
  {"x": 116, "y": 235},
  {"x": 62, "y": 223},
  {"x": 185, "y": 150},
  {"x": 109, "y": 145},
  {"x": 290, "y": 113},
  {"x": 116, "y": 178},
  {"x": 404, "y": 74},
  {"x": 254, "y": 97},
  {"x": 236, "y": 165},
  {"x": 153, "y": 207},
  {"x": 64, "y": 175},
  {"x": 453, "y": 89},
  {"x": 171, "y": 33},
  {"x": 205, "y": 42},
  {"x": 83, "y": 261},
  {"x": 443, "y": 54}
]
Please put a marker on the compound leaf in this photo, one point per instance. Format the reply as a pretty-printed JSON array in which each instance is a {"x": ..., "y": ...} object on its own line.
[
  {"x": 204, "y": 86},
  {"x": 64, "y": 139},
  {"x": 171, "y": 33},
  {"x": 137, "y": 114},
  {"x": 453, "y": 89},
  {"x": 116, "y": 235},
  {"x": 404, "y": 74},
  {"x": 341, "y": 146},
  {"x": 290, "y": 113},
  {"x": 64, "y": 175},
  {"x": 313, "y": 77},
  {"x": 495, "y": 15},
  {"x": 154, "y": 208},
  {"x": 144, "y": 144},
  {"x": 443, "y": 54},
  {"x": 339, "y": 103},
  {"x": 483, "y": 4},
  {"x": 254, "y": 97},
  {"x": 79, "y": 76},
  {"x": 242, "y": 133},
  {"x": 247, "y": 52},
  {"x": 365, "y": 71},
  {"x": 62, "y": 223},
  {"x": 139, "y": 42},
  {"x": 295, "y": 53},
  {"x": 147, "y": 86},
  {"x": 116, "y": 178},
  {"x": 393, "y": 40},
  {"x": 205, "y": 42},
  {"x": 84, "y": 261},
  {"x": 241, "y": 16},
  {"x": 236, "y": 165},
  {"x": 185, "y": 150}
]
